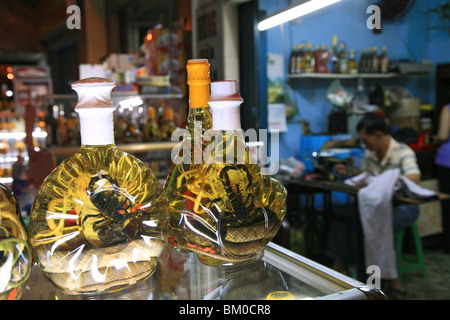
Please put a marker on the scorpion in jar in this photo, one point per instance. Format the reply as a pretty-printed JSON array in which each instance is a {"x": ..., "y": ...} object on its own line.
[
  {"x": 119, "y": 220},
  {"x": 238, "y": 194}
]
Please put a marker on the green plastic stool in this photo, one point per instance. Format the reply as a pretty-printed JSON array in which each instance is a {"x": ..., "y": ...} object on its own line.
[{"x": 409, "y": 263}]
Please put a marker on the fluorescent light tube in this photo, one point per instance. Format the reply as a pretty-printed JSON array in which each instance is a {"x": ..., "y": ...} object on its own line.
[{"x": 293, "y": 13}]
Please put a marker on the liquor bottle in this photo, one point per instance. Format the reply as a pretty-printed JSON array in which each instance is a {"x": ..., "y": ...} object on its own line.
[
  {"x": 309, "y": 60},
  {"x": 352, "y": 64},
  {"x": 317, "y": 58},
  {"x": 98, "y": 221},
  {"x": 300, "y": 59},
  {"x": 168, "y": 125},
  {"x": 375, "y": 67},
  {"x": 198, "y": 122},
  {"x": 52, "y": 125},
  {"x": 369, "y": 60},
  {"x": 343, "y": 59},
  {"x": 62, "y": 127},
  {"x": 293, "y": 60},
  {"x": 334, "y": 61},
  {"x": 384, "y": 60},
  {"x": 130, "y": 133},
  {"x": 362, "y": 61},
  {"x": 228, "y": 210},
  {"x": 151, "y": 130},
  {"x": 73, "y": 131},
  {"x": 15, "y": 253}
]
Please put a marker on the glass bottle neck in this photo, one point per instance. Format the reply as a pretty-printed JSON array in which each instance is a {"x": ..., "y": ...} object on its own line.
[
  {"x": 226, "y": 115},
  {"x": 96, "y": 126},
  {"x": 198, "y": 95},
  {"x": 199, "y": 116}
]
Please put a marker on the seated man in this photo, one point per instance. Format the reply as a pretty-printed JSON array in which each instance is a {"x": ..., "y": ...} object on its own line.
[{"x": 383, "y": 153}]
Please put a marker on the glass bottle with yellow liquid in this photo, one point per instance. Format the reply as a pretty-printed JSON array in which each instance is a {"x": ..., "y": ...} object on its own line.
[
  {"x": 151, "y": 132},
  {"x": 227, "y": 211},
  {"x": 168, "y": 125},
  {"x": 352, "y": 63},
  {"x": 15, "y": 253},
  {"x": 309, "y": 62},
  {"x": 98, "y": 220},
  {"x": 199, "y": 120}
]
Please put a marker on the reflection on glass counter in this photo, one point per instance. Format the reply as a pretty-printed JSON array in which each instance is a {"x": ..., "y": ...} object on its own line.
[{"x": 281, "y": 274}]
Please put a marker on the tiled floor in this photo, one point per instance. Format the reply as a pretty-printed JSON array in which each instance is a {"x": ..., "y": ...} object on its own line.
[{"x": 436, "y": 285}]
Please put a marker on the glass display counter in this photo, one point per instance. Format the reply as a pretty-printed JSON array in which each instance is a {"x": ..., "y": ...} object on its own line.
[{"x": 281, "y": 274}]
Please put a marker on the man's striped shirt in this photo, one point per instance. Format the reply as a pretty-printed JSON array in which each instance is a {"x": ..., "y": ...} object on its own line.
[{"x": 398, "y": 155}]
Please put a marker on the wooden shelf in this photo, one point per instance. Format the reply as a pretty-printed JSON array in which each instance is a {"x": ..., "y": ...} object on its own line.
[
  {"x": 333, "y": 76},
  {"x": 351, "y": 76},
  {"x": 125, "y": 94}
]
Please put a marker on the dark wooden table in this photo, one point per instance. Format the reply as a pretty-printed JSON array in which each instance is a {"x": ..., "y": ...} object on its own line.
[{"x": 318, "y": 221}]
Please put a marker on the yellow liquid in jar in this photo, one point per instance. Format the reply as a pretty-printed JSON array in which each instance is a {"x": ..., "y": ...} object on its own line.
[
  {"x": 98, "y": 222},
  {"x": 227, "y": 212},
  {"x": 15, "y": 253},
  {"x": 180, "y": 173}
]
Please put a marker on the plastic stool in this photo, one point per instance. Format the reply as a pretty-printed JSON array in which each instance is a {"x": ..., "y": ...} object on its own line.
[{"x": 408, "y": 263}]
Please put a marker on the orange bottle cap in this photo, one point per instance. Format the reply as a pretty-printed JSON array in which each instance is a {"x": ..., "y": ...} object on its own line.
[{"x": 198, "y": 80}]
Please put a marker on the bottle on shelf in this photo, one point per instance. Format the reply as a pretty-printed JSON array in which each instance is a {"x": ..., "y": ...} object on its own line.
[
  {"x": 151, "y": 132},
  {"x": 352, "y": 63},
  {"x": 293, "y": 60},
  {"x": 299, "y": 66},
  {"x": 343, "y": 59},
  {"x": 334, "y": 60},
  {"x": 62, "y": 126},
  {"x": 98, "y": 221},
  {"x": 130, "y": 133},
  {"x": 227, "y": 211},
  {"x": 309, "y": 60},
  {"x": 368, "y": 61},
  {"x": 322, "y": 56},
  {"x": 4, "y": 147},
  {"x": 363, "y": 61},
  {"x": 73, "y": 132},
  {"x": 16, "y": 256},
  {"x": 52, "y": 125},
  {"x": 375, "y": 65},
  {"x": 199, "y": 120},
  {"x": 168, "y": 125},
  {"x": 317, "y": 58},
  {"x": 384, "y": 60}
]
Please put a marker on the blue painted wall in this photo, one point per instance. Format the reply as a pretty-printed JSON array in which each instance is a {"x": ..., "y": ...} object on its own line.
[{"x": 409, "y": 38}]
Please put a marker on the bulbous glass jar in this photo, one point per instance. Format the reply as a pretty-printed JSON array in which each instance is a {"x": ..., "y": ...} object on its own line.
[
  {"x": 98, "y": 221},
  {"x": 15, "y": 253},
  {"x": 227, "y": 210}
]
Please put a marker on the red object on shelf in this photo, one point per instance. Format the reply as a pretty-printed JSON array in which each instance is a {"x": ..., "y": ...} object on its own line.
[{"x": 421, "y": 144}]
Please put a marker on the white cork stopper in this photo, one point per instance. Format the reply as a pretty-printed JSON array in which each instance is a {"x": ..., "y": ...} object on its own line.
[
  {"x": 94, "y": 92},
  {"x": 95, "y": 109},
  {"x": 224, "y": 101}
]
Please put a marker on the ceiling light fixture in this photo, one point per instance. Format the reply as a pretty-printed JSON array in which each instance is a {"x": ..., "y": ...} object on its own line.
[{"x": 293, "y": 12}]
